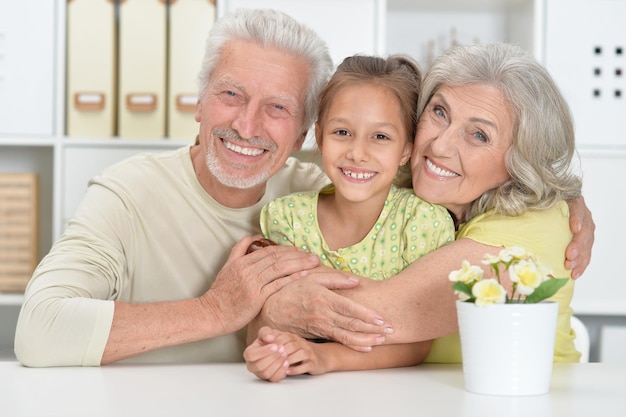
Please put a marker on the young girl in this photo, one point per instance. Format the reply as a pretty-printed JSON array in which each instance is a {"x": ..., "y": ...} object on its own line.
[{"x": 362, "y": 222}]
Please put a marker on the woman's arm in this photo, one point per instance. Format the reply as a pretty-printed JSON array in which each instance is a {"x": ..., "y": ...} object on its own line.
[{"x": 417, "y": 304}]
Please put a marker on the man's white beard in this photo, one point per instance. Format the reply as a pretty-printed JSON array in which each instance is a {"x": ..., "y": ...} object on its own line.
[{"x": 234, "y": 180}]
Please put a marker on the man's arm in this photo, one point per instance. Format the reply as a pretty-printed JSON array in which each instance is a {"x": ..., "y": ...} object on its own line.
[
  {"x": 235, "y": 298},
  {"x": 67, "y": 312}
]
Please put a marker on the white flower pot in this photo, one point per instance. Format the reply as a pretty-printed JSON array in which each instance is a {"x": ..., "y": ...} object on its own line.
[{"x": 507, "y": 349}]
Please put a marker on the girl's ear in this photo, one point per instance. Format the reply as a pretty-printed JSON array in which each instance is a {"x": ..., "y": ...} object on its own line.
[
  {"x": 318, "y": 135},
  {"x": 299, "y": 142}
]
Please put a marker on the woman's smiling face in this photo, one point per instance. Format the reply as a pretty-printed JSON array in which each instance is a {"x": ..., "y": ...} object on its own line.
[{"x": 460, "y": 146}]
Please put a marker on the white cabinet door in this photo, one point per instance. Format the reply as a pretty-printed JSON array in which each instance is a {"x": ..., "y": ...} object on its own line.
[
  {"x": 348, "y": 26},
  {"x": 27, "y": 67},
  {"x": 586, "y": 54},
  {"x": 601, "y": 289}
]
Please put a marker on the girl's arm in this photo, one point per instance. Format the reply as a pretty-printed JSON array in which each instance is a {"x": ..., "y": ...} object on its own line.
[
  {"x": 276, "y": 354},
  {"x": 332, "y": 357}
]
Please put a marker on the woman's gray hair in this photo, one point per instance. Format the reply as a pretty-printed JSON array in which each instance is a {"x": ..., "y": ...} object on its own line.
[
  {"x": 271, "y": 28},
  {"x": 539, "y": 160}
]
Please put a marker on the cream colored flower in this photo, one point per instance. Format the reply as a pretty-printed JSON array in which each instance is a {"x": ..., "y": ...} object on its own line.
[
  {"x": 527, "y": 276},
  {"x": 489, "y": 291},
  {"x": 462, "y": 296},
  {"x": 490, "y": 259},
  {"x": 514, "y": 252},
  {"x": 467, "y": 274}
]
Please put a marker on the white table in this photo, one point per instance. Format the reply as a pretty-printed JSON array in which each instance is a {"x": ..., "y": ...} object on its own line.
[{"x": 589, "y": 390}]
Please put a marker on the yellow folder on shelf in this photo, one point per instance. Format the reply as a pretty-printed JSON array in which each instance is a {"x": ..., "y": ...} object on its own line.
[
  {"x": 142, "y": 65},
  {"x": 91, "y": 68},
  {"x": 190, "y": 22}
]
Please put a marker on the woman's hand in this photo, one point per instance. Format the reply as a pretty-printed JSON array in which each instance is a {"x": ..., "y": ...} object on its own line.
[
  {"x": 578, "y": 252},
  {"x": 311, "y": 309},
  {"x": 247, "y": 280}
]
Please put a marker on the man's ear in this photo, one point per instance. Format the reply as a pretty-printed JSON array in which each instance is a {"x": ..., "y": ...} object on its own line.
[{"x": 198, "y": 115}]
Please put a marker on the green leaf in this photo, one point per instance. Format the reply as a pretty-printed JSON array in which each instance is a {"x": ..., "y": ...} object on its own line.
[
  {"x": 546, "y": 290},
  {"x": 463, "y": 288}
]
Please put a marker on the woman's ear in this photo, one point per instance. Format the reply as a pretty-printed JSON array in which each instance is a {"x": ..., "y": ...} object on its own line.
[{"x": 406, "y": 153}]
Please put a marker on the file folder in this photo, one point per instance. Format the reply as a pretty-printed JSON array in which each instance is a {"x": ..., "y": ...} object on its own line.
[
  {"x": 90, "y": 68},
  {"x": 190, "y": 22},
  {"x": 142, "y": 65}
]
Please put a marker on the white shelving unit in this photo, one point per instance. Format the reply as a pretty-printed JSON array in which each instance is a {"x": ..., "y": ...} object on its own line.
[
  {"x": 65, "y": 164},
  {"x": 423, "y": 28}
]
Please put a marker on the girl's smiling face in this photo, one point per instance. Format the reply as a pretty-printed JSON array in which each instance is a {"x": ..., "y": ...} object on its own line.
[{"x": 363, "y": 142}]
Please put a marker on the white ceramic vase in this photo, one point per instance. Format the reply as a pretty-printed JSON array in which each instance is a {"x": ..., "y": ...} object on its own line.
[{"x": 507, "y": 349}]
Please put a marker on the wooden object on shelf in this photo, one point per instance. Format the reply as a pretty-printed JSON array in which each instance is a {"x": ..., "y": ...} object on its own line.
[{"x": 18, "y": 229}]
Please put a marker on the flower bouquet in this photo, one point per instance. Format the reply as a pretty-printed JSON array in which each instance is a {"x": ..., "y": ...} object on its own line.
[{"x": 531, "y": 281}]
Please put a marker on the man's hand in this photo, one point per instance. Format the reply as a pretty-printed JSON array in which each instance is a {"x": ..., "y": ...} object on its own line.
[
  {"x": 245, "y": 282},
  {"x": 578, "y": 252},
  {"x": 309, "y": 308}
]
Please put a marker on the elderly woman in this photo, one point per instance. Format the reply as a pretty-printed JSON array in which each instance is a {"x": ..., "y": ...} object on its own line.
[{"x": 494, "y": 144}]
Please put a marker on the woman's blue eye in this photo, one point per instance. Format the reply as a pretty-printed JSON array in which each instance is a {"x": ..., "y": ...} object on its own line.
[{"x": 481, "y": 137}]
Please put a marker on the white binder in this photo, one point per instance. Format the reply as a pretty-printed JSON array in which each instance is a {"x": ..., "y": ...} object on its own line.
[
  {"x": 90, "y": 68},
  {"x": 190, "y": 22},
  {"x": 142, "y": 65}
]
